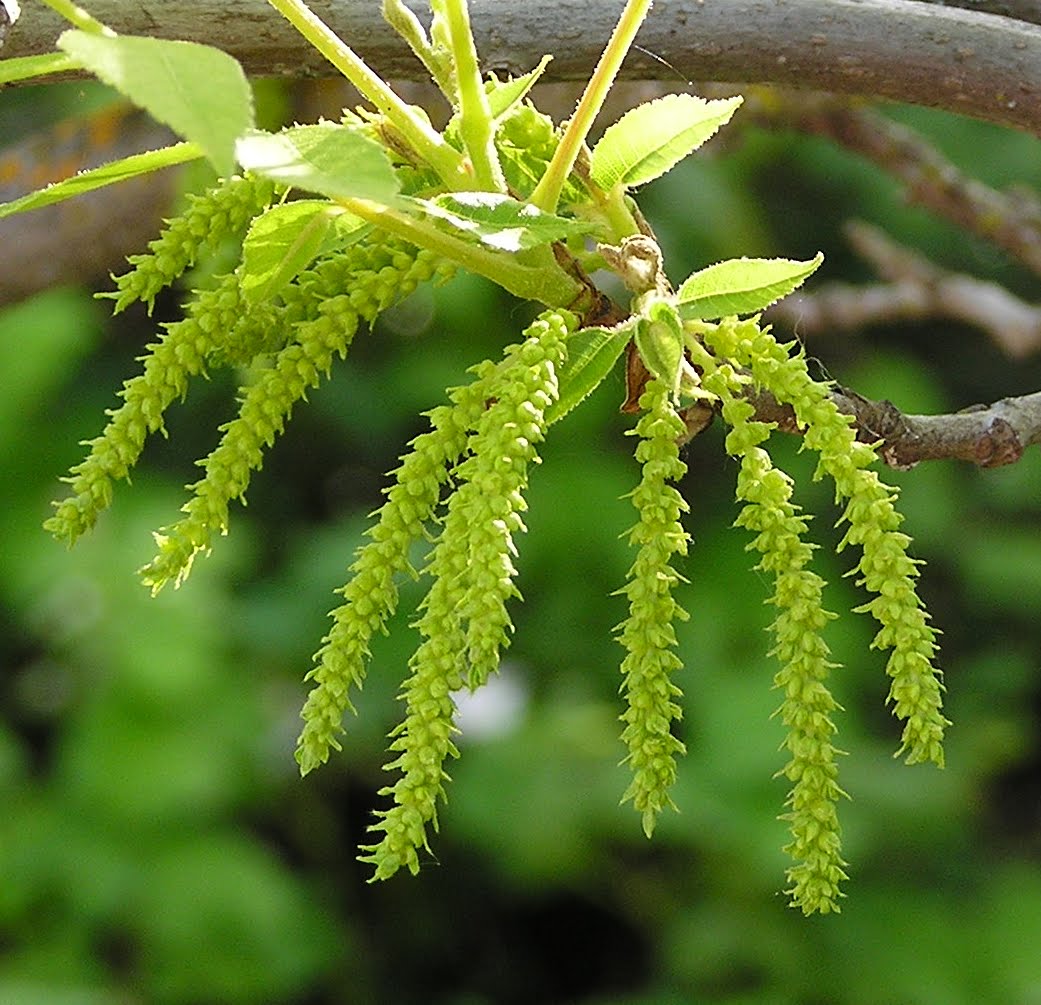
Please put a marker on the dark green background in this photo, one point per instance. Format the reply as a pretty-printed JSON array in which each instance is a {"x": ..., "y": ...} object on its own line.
[{"x": 158, "y": 846}]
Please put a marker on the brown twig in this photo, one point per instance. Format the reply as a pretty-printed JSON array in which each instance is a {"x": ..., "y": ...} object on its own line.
[
  {"x": 915, "y": 289},
  {"x": 979, "y": 64},
  {"x": 1011, "y": 221},
  {"x": 988, "y": 435}
]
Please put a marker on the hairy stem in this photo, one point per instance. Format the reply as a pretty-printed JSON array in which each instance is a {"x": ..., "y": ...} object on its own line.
[
  {"x": 427, "y": 142},
  {"x": 546, "y": 283},
  {"x": 79, "y": 18},
  {"x": 547, "y": 192},
  {"x": 476, "y": 126}
]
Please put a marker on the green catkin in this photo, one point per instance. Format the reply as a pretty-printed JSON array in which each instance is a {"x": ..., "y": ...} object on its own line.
[
  {"x": 453, "y": 627},
  {"x": 885, "y": 568},
  {"x": 221, "y": 329},
  {"x": 373, "y": 272},
  {"x": 808, "y": 706},
  {"x": 648, "y": 633},
  {"x": 211, "y": 217},
  {"x": 265, "y": 408},
  {"x": 527, "y": 140},
  {"x": 182, "y": 353},
  {"x": 493, "y": 481},
  {"x": 371, "y": 595},
  {"x": 423, "y": 740}
]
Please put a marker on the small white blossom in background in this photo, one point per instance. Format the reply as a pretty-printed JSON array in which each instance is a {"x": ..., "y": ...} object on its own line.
[{"x": 493, "y": 711}]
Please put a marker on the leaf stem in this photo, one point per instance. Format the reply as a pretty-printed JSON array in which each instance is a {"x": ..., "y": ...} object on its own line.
[
  {"x": 25, "y": 67},
  {"x": 543, "y": 281},
  {"x": 411, "y": 29},
  {"x": 547, "y": 192},
  {"x": 427, "y": 142},
  {"x": 476, "y": 126},
  {"x": 79, "y": 18}
]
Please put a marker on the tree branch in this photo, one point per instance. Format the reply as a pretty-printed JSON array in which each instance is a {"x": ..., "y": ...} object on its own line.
[
  {"x": 982, "y": 64},
  {"x": 1009, "y": 220},
  {"x": 988, "y": 435},
  {"x": 914, "y": 289}
]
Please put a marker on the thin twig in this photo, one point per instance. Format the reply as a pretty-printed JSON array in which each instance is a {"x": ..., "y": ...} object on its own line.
[
  {"x": 914, "y": 290},
  {"x": 988, "y": 435},
  {"x": 1011, "y": 221}
]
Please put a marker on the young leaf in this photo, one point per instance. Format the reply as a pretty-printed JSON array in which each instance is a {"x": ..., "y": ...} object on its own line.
[
  {"x": 499, "y": 221},
  {"x": 283, "y": 241},
  {"x": 591, "y": 355},
  {"x": 327, "y": 159},
  {"x": 198, "y": 91},
  {"x": 741, "y": 286},
  {"x": 107, "y": 174},
  {"x": 659, "y": 340},
  {"x": 652, "y": 138},
  {"x": 503, "y": 96}
]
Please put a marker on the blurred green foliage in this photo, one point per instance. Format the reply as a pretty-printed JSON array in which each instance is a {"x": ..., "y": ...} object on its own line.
[{"x": 157, "y": 846}]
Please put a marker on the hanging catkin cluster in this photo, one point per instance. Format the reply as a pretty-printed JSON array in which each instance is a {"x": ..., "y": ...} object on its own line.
[
  {"x": 488, "y": 438},
  {"x": 410, "y": 214},
  {"x": 648, "y": 633},
  {"x": 289, "y": 345},
  {"x": 734, "y": 355}
]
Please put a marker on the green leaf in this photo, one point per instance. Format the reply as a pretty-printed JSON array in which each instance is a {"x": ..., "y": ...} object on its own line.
[
  {"x": 107, "y": 174},
  {"x": 499, "y": 221},
  {"x": 591, "y": 355},
  {"x": 741, "y": 286},
  {"x": 200, "y": 92},
  {"x": 504, "y": 96},
  {"x": 652, "y": 138},
  {"x": 283, "y": 241},
  {"x": 328, "y": 159},
  {"x": 24, "y": 67},
  {"x": 660, "y": 342}
]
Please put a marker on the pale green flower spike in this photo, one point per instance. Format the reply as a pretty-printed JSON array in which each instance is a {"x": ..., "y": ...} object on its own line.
[
  {"x": 885, "y": 568},
  {"x": 266, "y": 405},
  {"x": 182, "y": 353},
  {"x": 423, "y": 740},
  {"x": 211, "y": 217},
  {"x": 808, "y": 706},
  {"x": 490, "y": 498},
  {"x": 371, "y": 595},
  {"x": 219, "y": 329},
  {"x": 647, "y": 633},
  {"x": 462, "y": 628},
  {"x": 527, "y": 140},
  {"x": 888, "y": 571},
  {"x": 373, "y": 274}
]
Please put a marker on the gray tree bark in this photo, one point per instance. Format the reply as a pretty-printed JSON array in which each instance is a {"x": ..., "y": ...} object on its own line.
[{"x": 978, "y": 57}]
